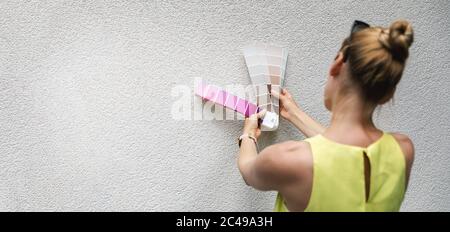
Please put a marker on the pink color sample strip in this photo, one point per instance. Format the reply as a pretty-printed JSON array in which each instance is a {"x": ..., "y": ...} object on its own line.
[{"x": 223, "y": 98}]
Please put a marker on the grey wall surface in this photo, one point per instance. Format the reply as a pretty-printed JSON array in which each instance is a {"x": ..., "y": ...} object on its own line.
[{"x": 85, "y": 98}]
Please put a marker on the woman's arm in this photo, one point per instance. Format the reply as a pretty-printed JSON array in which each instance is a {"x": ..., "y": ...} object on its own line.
[
  {"x": 292, "y": 112},
  {"x": 248, "y": 150},
  {"x": 271, "y": 169},
  {"x": 307, "y": 125}
]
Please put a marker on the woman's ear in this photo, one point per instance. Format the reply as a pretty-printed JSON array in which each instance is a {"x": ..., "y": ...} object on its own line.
[{"x": 336, "y": 67}]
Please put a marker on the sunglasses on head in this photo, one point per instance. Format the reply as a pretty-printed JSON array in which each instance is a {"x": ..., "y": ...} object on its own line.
[{"x": 357, "y": 26}]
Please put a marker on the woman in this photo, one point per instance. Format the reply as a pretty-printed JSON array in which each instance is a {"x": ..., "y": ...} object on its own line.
[{"x": 350, "y": 165}]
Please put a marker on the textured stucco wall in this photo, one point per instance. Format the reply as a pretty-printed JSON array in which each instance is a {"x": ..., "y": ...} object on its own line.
[{"x": 85, "y": 98}]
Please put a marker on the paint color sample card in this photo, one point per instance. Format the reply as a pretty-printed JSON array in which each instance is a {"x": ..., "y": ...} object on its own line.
[
  {"x": 267, "y": 67},
  {"x": 223, "y": 98}
]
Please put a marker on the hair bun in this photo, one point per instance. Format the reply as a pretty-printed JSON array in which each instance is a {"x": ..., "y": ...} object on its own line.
[{"x": 401, "y": 37}]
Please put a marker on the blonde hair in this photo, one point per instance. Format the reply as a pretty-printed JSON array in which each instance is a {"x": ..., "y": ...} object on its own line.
[{"x": 377, "y": 58}]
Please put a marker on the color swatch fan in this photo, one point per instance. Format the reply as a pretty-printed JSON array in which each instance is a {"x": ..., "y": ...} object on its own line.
[{"x": 267, "y": 66}]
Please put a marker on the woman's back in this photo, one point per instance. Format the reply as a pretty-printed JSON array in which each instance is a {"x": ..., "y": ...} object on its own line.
[
  {"x": 322, "y": 173},
  {"x": 344, "y": 174}
]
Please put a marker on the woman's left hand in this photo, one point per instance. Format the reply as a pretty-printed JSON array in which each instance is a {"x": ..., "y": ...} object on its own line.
[{"x": 251, "y": 125}]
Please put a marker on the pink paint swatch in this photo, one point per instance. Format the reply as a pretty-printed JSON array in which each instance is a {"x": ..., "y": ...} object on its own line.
[{"x": 223, "y": 98}]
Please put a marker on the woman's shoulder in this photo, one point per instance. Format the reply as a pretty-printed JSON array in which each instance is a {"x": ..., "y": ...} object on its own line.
[
  {"x": 293, "y": 149},
  {"x": 296, "y": 155},
  {"x": 406, "y": 145},
  {"x": 293, "y": 145}
]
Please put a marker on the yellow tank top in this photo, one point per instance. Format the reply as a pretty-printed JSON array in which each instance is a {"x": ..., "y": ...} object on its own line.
[{"x": 339, "y": 181}]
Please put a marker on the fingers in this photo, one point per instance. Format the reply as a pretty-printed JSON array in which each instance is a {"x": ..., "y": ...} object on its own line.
[
  {"x": 286, "y": 93},
  {"x": 256, "y": 116},
  {"x": 261, "y": 113},
  {"x": 276, "y": 94}
]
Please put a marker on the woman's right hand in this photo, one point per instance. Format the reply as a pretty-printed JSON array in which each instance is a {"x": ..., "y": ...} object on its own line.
[
  {"x": 288, "y": 106},
  {"x": 292, "y": 112}
]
